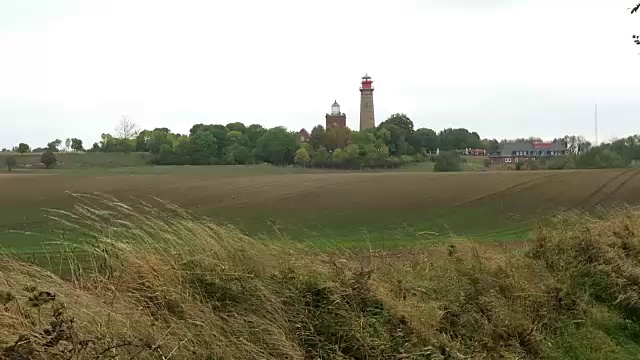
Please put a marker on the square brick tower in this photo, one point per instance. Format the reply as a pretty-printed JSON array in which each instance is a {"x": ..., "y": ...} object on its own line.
[
  {"x": 367, "y": 117},
  {"x": 336, "y": 119}
]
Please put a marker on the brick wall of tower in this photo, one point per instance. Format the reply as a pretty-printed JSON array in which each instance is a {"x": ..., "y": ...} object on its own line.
[
  {"x": 336, "y": 121},
  {"x": 367, "y": 117}
]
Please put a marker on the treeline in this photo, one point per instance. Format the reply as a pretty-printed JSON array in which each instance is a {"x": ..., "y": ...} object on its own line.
[
  {"x": 623, "y": 152},
  {"x": 620, "y": 153},
  {"x": 71, "y": 144},
  {"x": 392, "y": 143}
]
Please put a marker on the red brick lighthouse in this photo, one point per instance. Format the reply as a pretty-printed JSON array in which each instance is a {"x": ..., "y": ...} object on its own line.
[
  {"x": 336, "y": 119},
  {"x": 367, "y": 118}
]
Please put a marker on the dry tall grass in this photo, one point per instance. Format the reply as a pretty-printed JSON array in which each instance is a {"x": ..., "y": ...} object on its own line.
[{"x": 162, "y": 284}]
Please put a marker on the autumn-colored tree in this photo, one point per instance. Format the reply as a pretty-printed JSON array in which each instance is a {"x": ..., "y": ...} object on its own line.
[{"x": 302, "y": 157}]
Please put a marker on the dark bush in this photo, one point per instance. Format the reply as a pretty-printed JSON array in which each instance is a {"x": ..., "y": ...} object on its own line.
[
  {"x": 448, "y": 161},
  {"x": 48, "y": 159}
]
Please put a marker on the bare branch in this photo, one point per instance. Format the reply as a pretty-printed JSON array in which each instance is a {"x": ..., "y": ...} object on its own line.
[{"x": 127, "y": 129}]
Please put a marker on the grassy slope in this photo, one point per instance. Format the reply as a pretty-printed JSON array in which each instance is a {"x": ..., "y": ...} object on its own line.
[
  {"x": 167, "y": 285},
  {"x": 83, "y": 160},
  {"x": 327, "y": 208}
]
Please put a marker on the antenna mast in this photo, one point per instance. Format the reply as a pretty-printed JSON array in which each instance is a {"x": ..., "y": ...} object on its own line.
[{"x": 596, "y": 144}]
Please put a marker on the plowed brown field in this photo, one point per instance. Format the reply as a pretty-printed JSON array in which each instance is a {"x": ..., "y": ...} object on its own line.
[{"x": 339, "y": 208}]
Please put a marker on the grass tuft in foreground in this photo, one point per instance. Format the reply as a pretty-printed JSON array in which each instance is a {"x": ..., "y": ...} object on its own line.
[{"x": 154, "y": 282}]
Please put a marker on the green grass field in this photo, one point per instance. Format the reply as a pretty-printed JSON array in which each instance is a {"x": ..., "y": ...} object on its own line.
[
  {"x": 83, "y": 160},
  {"x": 324, "y": 208}
]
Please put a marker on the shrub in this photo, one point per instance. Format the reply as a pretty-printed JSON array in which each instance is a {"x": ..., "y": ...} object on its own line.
[
  {"x": 48, "y": 158},
  {"x": 533, "y": 165},
  {"x": 394, "y": 162},
  {"x": 448, "y": 161},
  {"x": 599, "y": 255},
  {"x": 560, "y": 163},
  {"x": 11, "y": 163}
]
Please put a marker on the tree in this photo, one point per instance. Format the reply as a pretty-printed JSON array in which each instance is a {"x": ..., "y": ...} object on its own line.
[
  {"x": 636, "y": 38},
  {"x": 48, "y": 159},
  {"x": 127, "y": 129},
  {"x": 107, "y": 143},
  {"x": 491, "y": 145},
  {"x": 459, "y": 139},
  {"x": 237, "y": 126},
  {"x": 424, "y": 140},
  {"x": 236, "y": 138},
  {"x": 156, "y": 139},
  {"x": 182, "y": 148},
  {"x": 76, "y": 145},
  {"x": 317, "y": 137},
  {"x": 125, "y": 145},
  {"x": 11, "y": 163},
  {"x": 54, "y": 145},
  {"x": 353, "y": 156},
  {"x": 395, "y": 132},
  {"x": 601, "y": 157},
  {"x": 382, "y": 154},
  {"x": 237, "y": 154},
  {"x": 338, "y": 157},
  {"x": 370, "y": 155},
  {"x": 277, "y": 146},
  {"x": 219, "y": 133},
  {"x": 165, "y": 155},
  {"x": 67, "y": 144},
  {"x": 448, "y": 161},
  {"x": 302, "y": 157},
  {"x": 22, "y": 148},
  {"x": 575, "y": 143},
  {"x": 203, "y": 147},
  {"x": 336, "y": 138},
  {"x": 254, "y": 132},
  {"x": 401, "y": 121},
  {"x": 518, "y": 166},
  {"x": 321, "y": 158},
  {"x": 362, "y": 138}
]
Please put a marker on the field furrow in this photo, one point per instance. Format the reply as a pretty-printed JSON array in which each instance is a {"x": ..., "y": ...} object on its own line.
[{"x": 345, "y": 207}]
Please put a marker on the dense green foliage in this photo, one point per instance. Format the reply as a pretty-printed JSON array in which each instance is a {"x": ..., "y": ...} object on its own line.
[
  {"x": 619, "y": 153},
  {"x": 54, "y": 145},
  {"x": 48, "y": 159},
  {"x": 392, "y": 143},
  {"x": 448, "y": 161},
  {"x": 76, "y": 145},
  {"x": 22, "y": 148}
]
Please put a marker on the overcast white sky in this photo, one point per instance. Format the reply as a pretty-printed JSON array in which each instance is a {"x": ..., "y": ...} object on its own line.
[{"x": 504, "y": 68}]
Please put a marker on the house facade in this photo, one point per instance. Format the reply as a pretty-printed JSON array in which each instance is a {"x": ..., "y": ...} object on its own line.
[
  {"x": 475, "y": 152},
  {"x": 512, "y": 153},
  {"x": 303, "y": 135}
]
